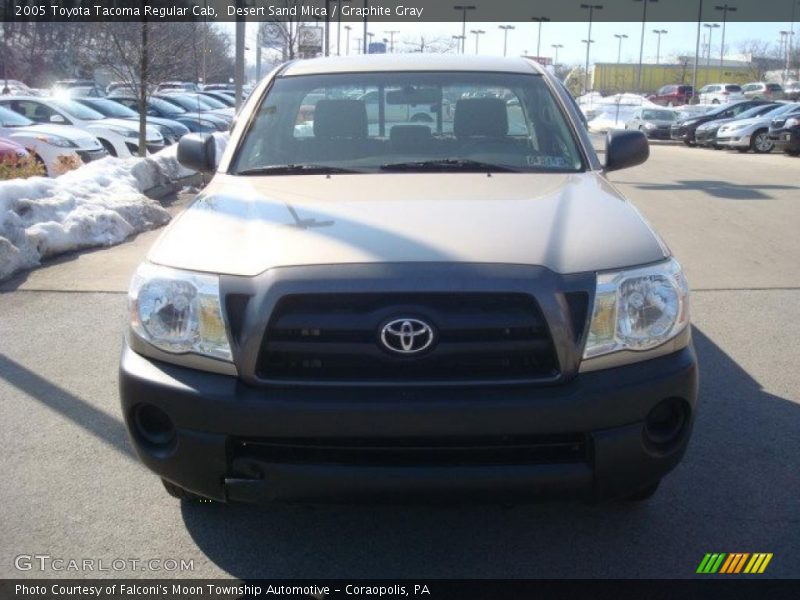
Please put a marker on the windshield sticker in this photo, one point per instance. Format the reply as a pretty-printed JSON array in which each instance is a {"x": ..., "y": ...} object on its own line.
[{"x": 549, "y": 162}]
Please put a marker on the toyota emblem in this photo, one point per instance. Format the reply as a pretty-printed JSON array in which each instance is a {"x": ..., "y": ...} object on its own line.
[{"x": 406, "y": 336}]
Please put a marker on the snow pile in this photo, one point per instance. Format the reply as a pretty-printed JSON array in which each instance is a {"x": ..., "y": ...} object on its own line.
[
  {"x": 611, "y": 118},
  {"x": 99, "y": 204}
]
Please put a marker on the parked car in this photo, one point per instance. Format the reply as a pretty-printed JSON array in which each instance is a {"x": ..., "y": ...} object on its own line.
[
  {"x": 706, "y": 134},
  {"x": 763, "y": 91},
  {"x": 685, "y": 130},
  {"x": 48, "y": 142},
  {"x": 752, "y": 133},
  {"x": 225, "y": 99},
  {"x": 720, "y": 93},
  {"x": 655, "y": 123},
  {"x": 219, "y": 87},
  {"x": 792, "y": 91},
  {"x": 88, "y": 87},
  {"x": 80, "y": 92},
  {"x": 11, "y": 151},
  {"x": 157, "y": 107},
  {"x": 784, "y": 131},
  {"x": 119, "y": 137},
  {"x": 170, "y": 130},
  {"x": 673, "y": 95},
  {"x": 370, "y": 344},
  {"x": 183, "y": 86},
  {"x": 200, "y": 104}
]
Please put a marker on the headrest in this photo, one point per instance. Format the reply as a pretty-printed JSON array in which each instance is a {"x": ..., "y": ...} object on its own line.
[
  {"x": 340, "y": 119},
  {"x": 487, "y": 117},
  {"x": 409, "y": 136}
]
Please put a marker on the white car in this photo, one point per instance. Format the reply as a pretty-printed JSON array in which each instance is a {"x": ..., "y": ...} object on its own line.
[
  {"x": 49, "y": 142},
  {"x": 753, "y": 134},
  {"x": 720, "y": 93},
  {"x": 118, "y": 136}
]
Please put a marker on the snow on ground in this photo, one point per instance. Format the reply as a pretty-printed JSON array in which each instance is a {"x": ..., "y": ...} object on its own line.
[{"x": 99, "y": 204}]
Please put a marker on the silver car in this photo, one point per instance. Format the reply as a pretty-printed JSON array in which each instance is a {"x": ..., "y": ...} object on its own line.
[{"x": 753, "y": 134}]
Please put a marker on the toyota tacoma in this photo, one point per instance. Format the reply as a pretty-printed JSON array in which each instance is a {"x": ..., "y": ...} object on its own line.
[{"x": 366, "y": 309}]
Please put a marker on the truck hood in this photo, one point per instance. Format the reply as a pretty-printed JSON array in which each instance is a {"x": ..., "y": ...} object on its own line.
[{"x": 244, "y": 225}]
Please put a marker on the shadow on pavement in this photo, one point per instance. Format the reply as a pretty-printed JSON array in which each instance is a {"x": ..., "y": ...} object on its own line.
[
  {"x": 736, "y": 491},
  {"x": 77, "y": 410},
  {"x": 718, "y": 189}
]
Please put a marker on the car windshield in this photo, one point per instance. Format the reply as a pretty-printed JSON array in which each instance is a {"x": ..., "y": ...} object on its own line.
[
  {"x": 393, "y": 121},
  {"x": 9, "y": 118},
  {"x": 77, "y": 110},
  {"x": 213, "y": 102},
  {"x": 109, "y": 108},
  {"x": 658, "y": 115},
  {"x": 167, "y": 108},
  {"x": 756, "y": 111},
  {"x": 188, "y": 102}
]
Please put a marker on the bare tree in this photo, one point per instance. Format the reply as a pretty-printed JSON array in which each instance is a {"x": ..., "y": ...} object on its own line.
[{"x": 431, "y": 45}]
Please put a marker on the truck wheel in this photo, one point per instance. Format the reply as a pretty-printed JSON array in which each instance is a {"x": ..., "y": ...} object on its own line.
[
  {"x": 178, "y": 492},
  {"x": 644, "y": 493},
  {"x": 760, "y": 142}
]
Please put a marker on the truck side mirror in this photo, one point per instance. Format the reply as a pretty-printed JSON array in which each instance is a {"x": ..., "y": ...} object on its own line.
[
  {"x": 626, "y": 148},
  {"x": 197, "y": 151}
]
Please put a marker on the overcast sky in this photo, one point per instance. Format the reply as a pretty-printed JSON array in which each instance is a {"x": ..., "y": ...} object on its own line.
[{"x": 680, "y": 38}]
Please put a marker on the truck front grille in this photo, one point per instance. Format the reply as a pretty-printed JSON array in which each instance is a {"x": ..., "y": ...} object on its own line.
[
  {"x": 443, "y": 451},
  {"x": 478, "y": 336}
]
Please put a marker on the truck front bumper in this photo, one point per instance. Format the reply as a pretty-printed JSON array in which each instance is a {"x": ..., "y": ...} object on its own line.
[{"x": 593, "y": 437}]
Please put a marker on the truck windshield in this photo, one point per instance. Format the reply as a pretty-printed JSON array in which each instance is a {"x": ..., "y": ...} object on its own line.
[{"x": 408, "y": 121}]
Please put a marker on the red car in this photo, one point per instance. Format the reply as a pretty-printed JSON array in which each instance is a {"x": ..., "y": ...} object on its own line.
[
  {"x": 673, "y": 95},
  {"x": 11, "y": 151}
]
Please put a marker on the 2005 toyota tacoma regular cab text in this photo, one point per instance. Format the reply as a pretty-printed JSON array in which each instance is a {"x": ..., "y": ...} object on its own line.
[{"x": 450, "y": 303}]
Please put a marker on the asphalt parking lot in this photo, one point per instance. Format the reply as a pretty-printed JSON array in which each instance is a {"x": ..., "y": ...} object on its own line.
[{"x": 73, "y": 489}]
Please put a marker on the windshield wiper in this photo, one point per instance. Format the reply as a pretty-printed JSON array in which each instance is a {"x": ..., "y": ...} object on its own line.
[
  {"x": 295, "y": 169},
  {"x": 456, "y": 164}
]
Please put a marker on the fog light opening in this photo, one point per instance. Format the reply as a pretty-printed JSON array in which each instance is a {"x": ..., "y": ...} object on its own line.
[
  {"x": 153, "y": 425},
  {"x": 666, "y": 422}
]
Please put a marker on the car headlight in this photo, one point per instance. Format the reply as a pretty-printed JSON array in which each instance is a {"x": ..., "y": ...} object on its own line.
[
  {"x": 178, "y": 311},
  {"x": 55, "y": 140},
  {"x": 793, "y": 122},
  {"x": 638, "y": 309},
  {"x": 127, "y": 133},
  {"x": 649, "y": 125}
]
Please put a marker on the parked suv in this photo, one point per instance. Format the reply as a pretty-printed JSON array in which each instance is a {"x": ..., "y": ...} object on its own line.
[
  {"x": 673, "y": 95},
  {"x": 763, "y": 91},
  {"x": 447, "y": 309},
  {"x": 720, "y": 93}
]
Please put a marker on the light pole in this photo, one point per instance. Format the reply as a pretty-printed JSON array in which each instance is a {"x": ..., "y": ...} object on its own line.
[
  {"x": 641, "y": 43},
  {"x": 359, "y": 45},
  {"x": 588, "y": 41},
  {"x": 697, "y": 50},
  {"x": 478, "y": 33},
  {"x": 620, "y": 37},
  {"x": 464, "y": 8},
  {"x": 505, "y": 29},
  {"x": 391, "y": 33},
  {"x": 725, "y": 8},
  {"x": 365, "y": 38},
  {"x": 711, "y": 27},
  {"x": 339, "y": 28},
  {"x": 659, "y": 33},
  {"x": 347, "y": 29},
  {"x": 539, "y": 20},
  {"x": 791, "y": 40},
  {"x": 556, "y": 47},
  {"x": 586, "y": 75}
]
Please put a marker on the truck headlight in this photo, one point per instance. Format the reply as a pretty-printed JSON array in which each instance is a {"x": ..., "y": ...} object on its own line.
[
  {"x": 178, "y": 311},
  {"x": 638, "y": 309}
]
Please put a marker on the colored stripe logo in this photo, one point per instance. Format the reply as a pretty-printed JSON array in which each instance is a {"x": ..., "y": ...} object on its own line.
[{"x": 735, "y": 562}]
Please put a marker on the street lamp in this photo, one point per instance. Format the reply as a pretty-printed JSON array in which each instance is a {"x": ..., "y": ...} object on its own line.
[
  {"x": 641, "y": 43},
  {"x": 459, "y": 42},
  {"x": 478, "y": 33},
  {"x": 711, "y": 27},
  {"x": 659, "y": 33},
  {"x": 556, "y": 47},
  {"x": 505, "y": 29},
  {"x": 339, "y": 28},
  {"x": 725, "y": 8},
  {"x": 347, "y": 29},
  {"x": 620, "y": 37},
  {"x": 588, "y": 41},
  {"x": 539, "y": 20},
  {"x": 786, "y": 37},
  {"x": 464, "y": 8},
  {"x": 391, "y": 33}
]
